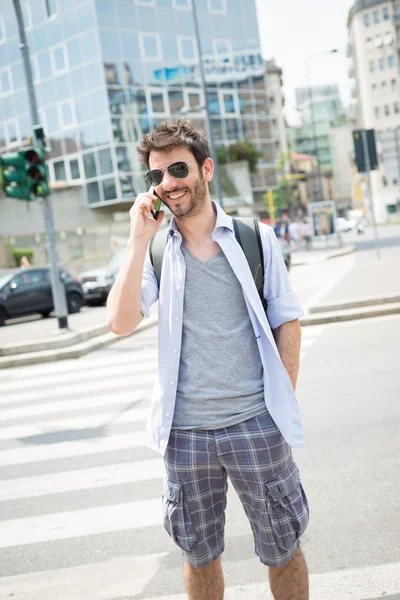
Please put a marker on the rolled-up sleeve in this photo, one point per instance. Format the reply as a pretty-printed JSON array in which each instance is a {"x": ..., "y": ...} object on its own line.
[
  {"x": 282, "y": 302},
  {"x": 149, "y": 287}
]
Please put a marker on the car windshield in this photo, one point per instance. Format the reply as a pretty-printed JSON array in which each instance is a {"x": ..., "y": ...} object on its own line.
[
  {"x": 116, "y": 260},
  {"x": 4, "y": 278}
]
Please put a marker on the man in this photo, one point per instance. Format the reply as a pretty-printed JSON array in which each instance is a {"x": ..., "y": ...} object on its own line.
[{"x": 224, "y": 402}]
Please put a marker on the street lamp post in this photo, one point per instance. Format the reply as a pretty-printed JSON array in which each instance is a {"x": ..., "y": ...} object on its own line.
[
  {"x": 206, "y": 102},
  {"x": 313, "y": 119}
]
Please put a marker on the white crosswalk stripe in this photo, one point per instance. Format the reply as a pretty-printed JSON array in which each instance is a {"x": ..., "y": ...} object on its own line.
[{"x": 80, "y": 509}]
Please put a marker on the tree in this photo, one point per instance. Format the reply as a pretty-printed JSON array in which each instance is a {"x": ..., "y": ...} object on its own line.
[{"x": 240, "y": 150}]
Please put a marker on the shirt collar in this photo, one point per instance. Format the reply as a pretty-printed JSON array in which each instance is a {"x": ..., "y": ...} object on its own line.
[{"x": 223, "y": 220}]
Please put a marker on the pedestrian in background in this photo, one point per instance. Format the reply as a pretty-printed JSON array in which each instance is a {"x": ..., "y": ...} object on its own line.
[{"x": 223, "y": 404}]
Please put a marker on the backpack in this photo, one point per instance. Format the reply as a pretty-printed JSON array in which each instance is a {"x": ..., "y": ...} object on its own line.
[{"x": 247, "y": 233}]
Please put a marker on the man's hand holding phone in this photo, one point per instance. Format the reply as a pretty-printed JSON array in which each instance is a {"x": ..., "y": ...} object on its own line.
[{"x": 142, "y": 224}]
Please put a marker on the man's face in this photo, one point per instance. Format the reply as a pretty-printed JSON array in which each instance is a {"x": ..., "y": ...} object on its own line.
[{"x": 184, "y": 197}]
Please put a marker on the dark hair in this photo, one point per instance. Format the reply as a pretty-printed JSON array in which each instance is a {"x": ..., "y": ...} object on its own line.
[{"x": 168, "y": 136}]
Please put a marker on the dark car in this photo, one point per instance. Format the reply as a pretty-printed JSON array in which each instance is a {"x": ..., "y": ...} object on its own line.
[
  {"x": 28, "y": 291},
  {"x": 97, "y": 283}
]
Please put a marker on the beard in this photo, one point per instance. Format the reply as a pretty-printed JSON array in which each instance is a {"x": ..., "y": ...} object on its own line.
[{"x": 198, "y": 198}]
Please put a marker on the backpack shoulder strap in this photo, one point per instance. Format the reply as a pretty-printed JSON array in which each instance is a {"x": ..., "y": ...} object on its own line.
[
  {"x": 156, "y": 251},
  {"x": 247, "y": 233}
]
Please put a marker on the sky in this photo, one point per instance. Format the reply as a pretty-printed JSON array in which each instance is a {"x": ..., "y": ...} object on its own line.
[{"x": 292, "y": 30}]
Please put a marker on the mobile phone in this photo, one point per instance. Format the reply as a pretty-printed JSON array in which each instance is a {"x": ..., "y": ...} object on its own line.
[{"x": 157, "y": 203}]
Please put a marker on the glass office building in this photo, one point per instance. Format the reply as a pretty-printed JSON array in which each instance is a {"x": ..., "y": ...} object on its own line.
[{"x": 107, "y": 71}]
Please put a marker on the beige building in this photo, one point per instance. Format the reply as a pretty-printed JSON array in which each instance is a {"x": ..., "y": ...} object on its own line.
[
  {"x": 276, "y": 106},
  {"x": 374, "y": 31}
]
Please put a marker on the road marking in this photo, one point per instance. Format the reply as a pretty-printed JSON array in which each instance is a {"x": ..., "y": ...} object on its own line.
[
  {"x": 82, "y": 479},
  {"x": 77, "y": 405},
  {"x": 118, "y": 577},
  {"x": 342, "y": 268},
  {"x": 80, "y": 523},
  {"x": 76, "y": 388},
  {"x": 45, "y": 452},
  {"x": 354, "y": 584},
  {"x": 109, "y": 419},
  {"x": 145, "y": 365}
]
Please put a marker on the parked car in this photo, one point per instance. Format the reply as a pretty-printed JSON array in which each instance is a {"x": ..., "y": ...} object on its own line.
[
  {"x": 97, "y": 283},
  {"x": 345, "y": 225},
  {"x": 28, "y": 291}
]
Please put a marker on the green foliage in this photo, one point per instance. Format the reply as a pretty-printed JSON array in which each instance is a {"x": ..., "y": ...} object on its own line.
[
  {"x": 240, "y": 150},
  {"x": 18, "y": 253}
]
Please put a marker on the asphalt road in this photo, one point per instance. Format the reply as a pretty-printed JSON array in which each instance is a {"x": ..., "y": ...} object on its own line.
[{"x": 80, "y": 514}]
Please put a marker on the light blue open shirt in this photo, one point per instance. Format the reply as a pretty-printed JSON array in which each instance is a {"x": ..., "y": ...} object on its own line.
[{"x": 283, "y": 306}]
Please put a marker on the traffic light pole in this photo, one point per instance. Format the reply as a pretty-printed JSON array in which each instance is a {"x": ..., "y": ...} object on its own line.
[
  {"x": 371, "y": 200},
  {"x": 60, "y": 303}
]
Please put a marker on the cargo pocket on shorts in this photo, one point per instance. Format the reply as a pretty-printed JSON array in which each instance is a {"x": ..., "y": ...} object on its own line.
[
  {"x": 177, "y": 518},
  {"x": 287, "y": 507}
]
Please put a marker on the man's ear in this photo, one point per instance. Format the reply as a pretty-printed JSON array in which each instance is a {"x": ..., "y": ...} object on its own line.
[{"x": 208, "y": 169}]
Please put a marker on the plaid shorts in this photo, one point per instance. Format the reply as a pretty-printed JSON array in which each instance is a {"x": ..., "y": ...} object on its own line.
[{"x": 259, "y": 464}]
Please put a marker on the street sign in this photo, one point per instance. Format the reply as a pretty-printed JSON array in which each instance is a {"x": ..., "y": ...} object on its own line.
[{"x": 365, "y": 163}]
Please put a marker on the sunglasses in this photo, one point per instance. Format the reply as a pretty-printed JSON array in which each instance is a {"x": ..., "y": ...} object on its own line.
[{"x": 179, "y": 169}]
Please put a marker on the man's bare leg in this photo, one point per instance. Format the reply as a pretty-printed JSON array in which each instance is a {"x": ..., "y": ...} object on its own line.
[
  {"x": 205, "y": 583},
  {"x": 291, "y": 581}
]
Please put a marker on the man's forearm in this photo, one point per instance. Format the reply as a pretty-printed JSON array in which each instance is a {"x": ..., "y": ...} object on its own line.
[
  {"x": 124, "y": 300},
  {"x": 288, "y": 340}
]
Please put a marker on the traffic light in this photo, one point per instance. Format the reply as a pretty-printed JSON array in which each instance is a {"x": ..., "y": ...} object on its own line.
[
  {"x": 24, "y": 173},
  {"x": 13, "y": 175},
  {"x": 35, "y": 159}
]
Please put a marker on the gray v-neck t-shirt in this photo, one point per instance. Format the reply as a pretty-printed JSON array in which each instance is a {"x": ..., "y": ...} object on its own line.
[{"x": 220, "y": 374}]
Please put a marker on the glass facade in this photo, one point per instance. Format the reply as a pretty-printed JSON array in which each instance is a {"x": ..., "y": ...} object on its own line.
[{"x": 107, "y": 71}]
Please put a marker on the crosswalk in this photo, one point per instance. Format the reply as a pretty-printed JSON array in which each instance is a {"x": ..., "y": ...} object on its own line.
[{"x": 80, "y": 511}]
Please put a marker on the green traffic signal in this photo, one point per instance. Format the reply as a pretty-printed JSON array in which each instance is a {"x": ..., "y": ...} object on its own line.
[
  {"x": 24, "y": 173},
  {"x": 13, "y": 176}
]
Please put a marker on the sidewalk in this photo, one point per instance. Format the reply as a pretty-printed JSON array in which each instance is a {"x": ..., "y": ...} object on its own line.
[{"x": 367, "y": 290}]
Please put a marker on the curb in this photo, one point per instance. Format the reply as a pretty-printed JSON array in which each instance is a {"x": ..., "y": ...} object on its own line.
[
  {"x": 334, "y": 254},
  {"x": 352, "y": 315},
  {"x": 344, "y": 305},
  {"x": 81, "y": 349},
  {"x": 67, "y": 338}
]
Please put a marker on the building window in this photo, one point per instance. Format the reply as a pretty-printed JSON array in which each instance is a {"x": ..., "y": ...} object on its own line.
[
  {"x": 386, "y": 15},
  {"x": 59, "y": 171},
  {"x": 391, "y": 60},
  {"x": 12, "y": 132},
  {"x": 388, "y": 38},
  {"x": 187, "y": 49},
  {"x": 27, "y": 15},
  {"x": 51, "y": 7},
  {"x": 374, "y": 88},
  {"x": 223, "y": 49},
  {"x": 6, "y": 86},
  {"x": 150, "y": 47},
  {"x": 384, "y": 87},
  {"x": 145, "y": 2},
  {"x": 382, "y": 64},
  {"x": 387, "y": 110},
  {"x": 367, "y": 20},
  {"x": 59, "y": 59},
  {"x": 371, "y": 66},
  {"x": 158, "y": 102},
  {"x": 394, "y": 84},
  {"x": 217, "y": 7},
  {"x": 2, "y": 30},
  {"x": 74, "y": 168},
  {"x": 67, "y": 116},
  {"x": 377, "y": 112},
  {"x": 376, "y": 16},
  {"x": 369, "y": 44},
  {"x": 182, "y": 4},
  {"x": 397, "y": 108}
]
